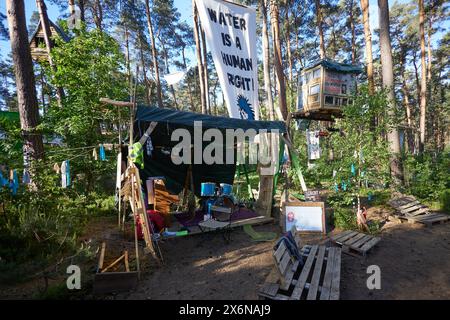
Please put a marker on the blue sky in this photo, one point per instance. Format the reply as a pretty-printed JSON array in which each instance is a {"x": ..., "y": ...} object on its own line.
[{"x": 184, "y": 7}]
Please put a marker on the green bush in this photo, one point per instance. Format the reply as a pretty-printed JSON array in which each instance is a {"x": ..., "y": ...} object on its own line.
[{"x": 428, "y": 177}]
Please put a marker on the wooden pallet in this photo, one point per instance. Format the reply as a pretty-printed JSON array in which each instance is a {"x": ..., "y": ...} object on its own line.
[
  {"x": 355, "y": 243},
  {"x": 429, "y": 219},
  {"x": 318, "y": 279},
  {"x": 409, "y": 209}
]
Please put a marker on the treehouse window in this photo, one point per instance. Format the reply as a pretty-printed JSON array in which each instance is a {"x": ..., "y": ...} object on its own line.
[
  {"x": 337, "y": 101},
  {"x": 344, "y": 89},
  {"x": 316, "y": 73},
  {"x": 328, "y": 100},
  {"x": 315, "y": 89},
  {"x": 344, "y": 101}
]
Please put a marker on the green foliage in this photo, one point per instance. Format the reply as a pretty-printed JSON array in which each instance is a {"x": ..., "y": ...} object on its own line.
[
  {"x": 428, "y": 177},
  {"x": 345, "y": 219}
]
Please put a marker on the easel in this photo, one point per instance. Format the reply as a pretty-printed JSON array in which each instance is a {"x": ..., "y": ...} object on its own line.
[{"x": 132, "y": 192}]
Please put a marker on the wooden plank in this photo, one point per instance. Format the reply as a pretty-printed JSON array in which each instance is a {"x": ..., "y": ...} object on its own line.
[
  {"x": 287, "y": 280},
  {"x": 327, "y": 279},
  {"x": 114, "y": 263},
  {"x": 432, "y": 216},
  {"x": 354, "y": 239},
  {"x": 340, "y": 235},
  {"x": 127, "y": 265},
  {"x": 278, "y": 254},
  {"x": 314, "y": 286},
  {"x": 346, "y": 237},
  {"x": 413, "y": 208},
  {"x": 361, "y": 241},
  {"x": 370, "y": 244},
  {"x": 112, "y": 282},
  {"x": 336, "y": 275},
  {"x": 418, "y": 212},
  {"x": 298, "y": 289},
  {"x": 410, "y": 204},
  {"x": 102, "y": 257},
  {"x": 284, "y": 263}
]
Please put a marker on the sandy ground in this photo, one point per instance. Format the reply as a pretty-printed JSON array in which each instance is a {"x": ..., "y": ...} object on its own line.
[{"x": 414, "y": 262}]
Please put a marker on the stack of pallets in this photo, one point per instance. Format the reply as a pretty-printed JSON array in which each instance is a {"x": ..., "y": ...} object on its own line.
[
  {"x": 409, "y": 209},
  {"x": 317, "y": 279}
]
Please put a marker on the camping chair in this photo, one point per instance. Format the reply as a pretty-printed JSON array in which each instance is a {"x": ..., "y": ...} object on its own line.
[{"x": 220, "y": 221}]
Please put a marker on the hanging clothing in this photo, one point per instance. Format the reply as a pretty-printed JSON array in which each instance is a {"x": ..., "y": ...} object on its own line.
[
  {"x": 26, "y": 179},
  {"x": 3, "y": 181},
  {"x": 149, "y": 146},
  {"x": 313, "y": 141},
  {"x": 65, "y": 174},
  {"x": 56, "y": 168},
  {"x": 14, "y": 184},
  {"x": 102, "y": 153},
  {"x": 137, "y": 154},
  {"x": 94, "y": 154},
  {"x": 353, "y": 170}
]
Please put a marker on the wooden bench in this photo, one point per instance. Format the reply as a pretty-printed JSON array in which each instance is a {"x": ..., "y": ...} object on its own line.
[
  {"x": 355, "y": 243},
  {"x": 317, "y": 279}
]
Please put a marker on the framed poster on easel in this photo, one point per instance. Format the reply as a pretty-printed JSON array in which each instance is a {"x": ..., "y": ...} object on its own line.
[{"x": 304, "y": 216}]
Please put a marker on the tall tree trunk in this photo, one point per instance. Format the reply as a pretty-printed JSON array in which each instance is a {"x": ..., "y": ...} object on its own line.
[
  {"x": 410, "y": 132},
  {"x": 205, "y": 69},
  {"x": 25, "y": 82},
  {"x": 429, "y": 53},
  {"x": 191, "y": 100},
  {"x": 388, "y": 83},
  {"x": 128, "y": 63},
  {"x": 72, "y": 7},
  {"x": 423, "y": 83},
  {"x": 144, "y": 71},
  {"x": 97, "y": 13},
  {"x": 199, "y": 58},
  {"x": 82, "y": 7},
  {"x": 266, "y": 59},
  {"x": 166, "y": 62},
  {"x": 45, "y": 23},
  {"x": 154, "y": 54},
  {"x": 352, "y": 28},
  {"x": 320, "y": 26},
  {"x": 288, "y": 41},
  {"x": 274, "y": 14},
  {"x": 368, "y": 40}
]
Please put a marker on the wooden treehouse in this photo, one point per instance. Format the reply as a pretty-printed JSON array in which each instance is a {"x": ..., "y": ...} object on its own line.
[
  {"x": 37, "y": 40},
  {"x": 325, "y": 87}
]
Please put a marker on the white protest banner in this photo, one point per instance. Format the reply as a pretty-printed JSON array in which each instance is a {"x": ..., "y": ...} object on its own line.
[{"x": 230, "y": 31}]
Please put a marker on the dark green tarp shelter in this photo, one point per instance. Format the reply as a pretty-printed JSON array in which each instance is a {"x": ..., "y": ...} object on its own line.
[{"x": 160, "y": 163}]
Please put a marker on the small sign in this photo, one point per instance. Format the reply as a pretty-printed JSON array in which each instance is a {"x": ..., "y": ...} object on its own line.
[
  {"x": 312, "y": 195},
  {"x": 304, "y": 216}
]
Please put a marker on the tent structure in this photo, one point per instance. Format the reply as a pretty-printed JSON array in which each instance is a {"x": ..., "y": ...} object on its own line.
[{"x": 160, "y": 163}]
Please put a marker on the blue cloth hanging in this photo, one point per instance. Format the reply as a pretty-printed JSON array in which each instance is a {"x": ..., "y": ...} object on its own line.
[
  {"x": 353, "y": 169},
  {"x": 26, "y": 179},
  {"x": 14, "y": 185},
  {"x": 68, "y": 180},
  {"x": 102, "y": 153},
  {"x": 336, "y": 187},
  {"x": 2, "y": 180}
]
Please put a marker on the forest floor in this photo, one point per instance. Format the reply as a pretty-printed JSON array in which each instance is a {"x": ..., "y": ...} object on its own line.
[{"x": 414, "y": 262}]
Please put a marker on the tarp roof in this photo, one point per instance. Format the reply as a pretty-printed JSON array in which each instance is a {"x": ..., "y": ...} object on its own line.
[
  {"x": 336, "y": 66},
  {"x": 184, "y": 118},
  {"x": 160, "y": 162}
]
